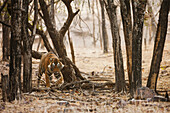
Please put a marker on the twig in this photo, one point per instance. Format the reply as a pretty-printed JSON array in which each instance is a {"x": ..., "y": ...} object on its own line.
[
  {"x": 85, "y": 73},
  {"x": 85, "y": 23},
  {"x": 35, "y": 21},
  {"x": 104, "y": 68},
  {"x": 59, "y": 98},
  {"x": 40, "y": 89},
  {"x": 96, "y": 85},
  {"x": 5, "y": 24},
  {"x": 43, "y": 36},
  {"x": 36, "y": 95},
  {"x": 5, "y": 2},
  {"x": 73, "y": 83}
]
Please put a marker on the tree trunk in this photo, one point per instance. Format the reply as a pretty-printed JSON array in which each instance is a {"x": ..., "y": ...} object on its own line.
[
  {"x": 127, "y": 28},
  {"x": 6, "y": 38},
  {"x": 159, "y": 45},
  {"x": 138, "y": 14},
  {"x": 27, "y": 50},
  {"x": 104, "y": 31},
  {"x": 5, "y": 83},
  {"x": 52, "y": 12},
  {"x": 70, "y": 71},
  {"x": 71, "y": 47},
  {"x": 15, "y": 52},
  {"x": 93, "y": 14},
  {"x": 153, "y": 25},
  {"x": 116, "y": 41},
  {"x": 99, "y": 22}
]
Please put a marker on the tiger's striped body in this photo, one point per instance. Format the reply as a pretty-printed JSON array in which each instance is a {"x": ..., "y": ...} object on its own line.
[{"x": 50, "y": 64}]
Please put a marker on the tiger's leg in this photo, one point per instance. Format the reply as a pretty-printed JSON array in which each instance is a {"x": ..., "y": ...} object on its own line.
[
  {"x": 60, "y": 80},
  {"x": 39, "y": 78},
  {"x": 47, "y": 79}
]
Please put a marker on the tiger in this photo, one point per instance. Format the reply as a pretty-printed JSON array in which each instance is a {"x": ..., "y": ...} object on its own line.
[{"x": 50, "y": 64}]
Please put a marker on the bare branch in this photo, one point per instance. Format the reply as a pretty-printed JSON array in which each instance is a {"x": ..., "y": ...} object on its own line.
[
  {"x": 35, "y": 20},
  {"x": 41, "y": 33},
  {"x": 70, "y": 17},
  {"x": 36, "y": 54},
  {"x": 5, "y": 24},
  {"x": 3, "y": 5},
  {"x": 67, "y": 2}
]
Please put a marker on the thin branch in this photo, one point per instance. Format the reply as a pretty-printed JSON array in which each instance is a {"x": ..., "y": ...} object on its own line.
[
  {"x": 3, "y": 5},
  {"x": 71, "y": 47},
  {"x": 73, "y": 83},
  {"x": 36, "y": 54},
  {"x": 5, "y": 24},
  {"x": 41, "y": 15},
  {"x": 35, "y": 20},
  {"x": 70, "y": 17},
  {"x": 41, "y": 33},
  {"x": 85, "y": 23}
]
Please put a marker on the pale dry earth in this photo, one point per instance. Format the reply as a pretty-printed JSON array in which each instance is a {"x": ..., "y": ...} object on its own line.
[{"x": 91, "y": 59}]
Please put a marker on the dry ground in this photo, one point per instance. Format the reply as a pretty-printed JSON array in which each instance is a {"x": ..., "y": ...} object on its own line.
[{"x": 93, "y": 60}]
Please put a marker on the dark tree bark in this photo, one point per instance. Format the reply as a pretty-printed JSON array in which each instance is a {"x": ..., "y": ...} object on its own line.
[
  {"x": 5, "y": 83},
  {"x": 6, "y": 38},
  {"x": 159, "y": 45},
  {"x": 27, "y": 50},
  {"x": 127, "y": 28},
  {"x": 3, "y": 5},
  {"x": 37, "y": 55},
  {"x": 70, "y": 72},
  {"x": 104, "y": 31},
  {"x": 118, "y": 59},
  {"x": 52, "y": 12},
  {"x": 15, "y": 52},
  {"x": 138, "y": 14}
]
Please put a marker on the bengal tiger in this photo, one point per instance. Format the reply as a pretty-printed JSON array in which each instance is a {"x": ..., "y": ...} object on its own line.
[{"x": 50, "y": 64}]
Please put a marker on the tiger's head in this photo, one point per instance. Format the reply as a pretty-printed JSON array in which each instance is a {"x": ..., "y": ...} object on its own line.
[{"x": 55, "y": 65}]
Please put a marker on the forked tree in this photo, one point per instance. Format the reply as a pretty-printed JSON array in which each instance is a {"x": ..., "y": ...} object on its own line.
[
  {"x": 133, "y": 40},
  {"x": 70, "y": 72}
]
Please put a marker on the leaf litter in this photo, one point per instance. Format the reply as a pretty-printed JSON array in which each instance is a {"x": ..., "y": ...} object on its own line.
[{"x": 98, "y": 97}]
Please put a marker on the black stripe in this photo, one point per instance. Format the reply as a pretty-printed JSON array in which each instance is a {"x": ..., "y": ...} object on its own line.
[{"x": 48, "y": 72}]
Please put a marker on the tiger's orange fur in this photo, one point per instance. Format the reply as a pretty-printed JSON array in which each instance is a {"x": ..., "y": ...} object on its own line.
[{"x": 50, "y": 64}]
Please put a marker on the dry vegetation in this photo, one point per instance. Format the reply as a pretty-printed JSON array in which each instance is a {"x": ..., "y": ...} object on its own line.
[
  {"x": 94, "y": 65},
  {"x": 96, "y": 99}
]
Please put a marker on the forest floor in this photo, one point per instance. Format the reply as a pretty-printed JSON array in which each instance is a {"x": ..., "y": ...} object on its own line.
[
  {"x": 94, "y": 65},
  {"x": 90, "y": 60}
]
